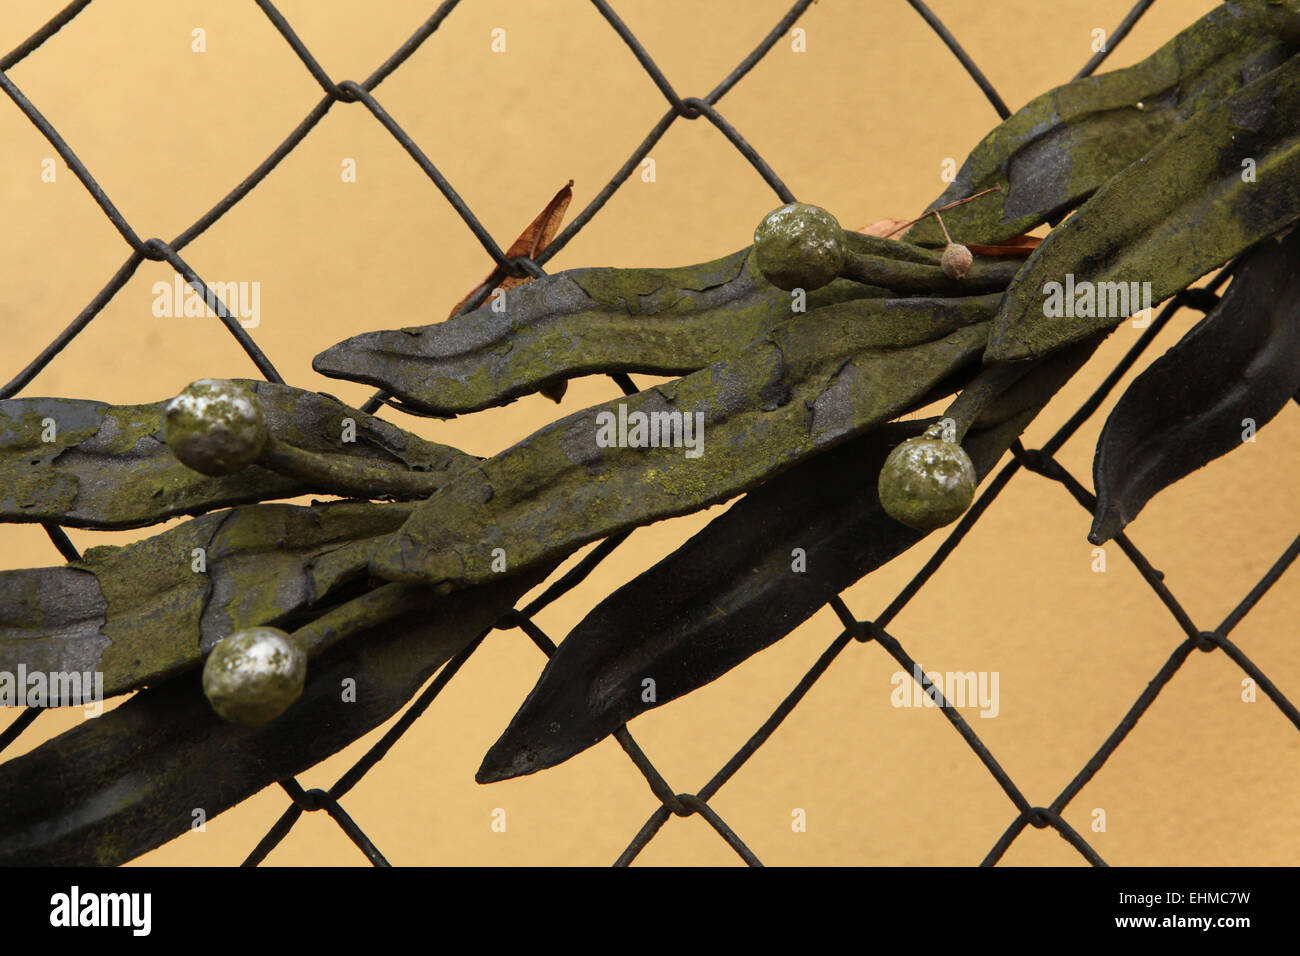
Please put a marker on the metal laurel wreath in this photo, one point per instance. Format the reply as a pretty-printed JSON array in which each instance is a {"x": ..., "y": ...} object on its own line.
[{"x": 804, "y": 408}]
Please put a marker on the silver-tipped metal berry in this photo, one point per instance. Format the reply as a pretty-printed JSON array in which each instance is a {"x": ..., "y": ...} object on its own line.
[{"x": 254, "y": 676}]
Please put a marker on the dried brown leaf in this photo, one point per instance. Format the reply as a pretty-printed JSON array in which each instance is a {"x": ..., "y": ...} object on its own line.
[
  {"x": 535, "y": 238},
  {"x": 887, "y": 228},
  {"x": 1020, "y": 246},
  {"x": 530, "y": 243}
]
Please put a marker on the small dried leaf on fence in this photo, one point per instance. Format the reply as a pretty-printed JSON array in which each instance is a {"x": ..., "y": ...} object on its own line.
[
  {"x": 531, "y": 242},
  {"x": 820, "y": 379},
  {"x": 88, "y": 464},
  {"x": 888, "y": 228},
  {"x": 1165, "y": 221},
  {"x": 1062, "y": 146},
  {"x": 1241, "y": 362},
  {"x": 1021, "y": 247},
  {"x": 749, "y": 578}
]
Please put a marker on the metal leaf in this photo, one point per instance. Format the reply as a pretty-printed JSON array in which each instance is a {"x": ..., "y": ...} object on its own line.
[
  {"x": 141, "y": 613},
  {"x": 816, "y": 381},
  {"x": 1242, "y": 361},
  {"x": 1186, "y": 207},
  {"x": 1062, "y": 146},
  {"x": 106, "y": 466},
  {"x": 584, "y": 321}
]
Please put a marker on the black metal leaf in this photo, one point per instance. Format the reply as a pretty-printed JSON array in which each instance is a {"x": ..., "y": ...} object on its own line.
[
  {"x": 1242, "y": 361},
  {"x": 1160, "y": 224},
  {"x": 734, "y": 588}
]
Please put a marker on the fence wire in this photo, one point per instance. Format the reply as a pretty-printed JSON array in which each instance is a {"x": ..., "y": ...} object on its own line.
[{"x": 1040, "y": 461}]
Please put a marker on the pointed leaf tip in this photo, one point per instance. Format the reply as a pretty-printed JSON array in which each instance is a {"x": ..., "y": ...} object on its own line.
[{"x": 1240, "y": 363}]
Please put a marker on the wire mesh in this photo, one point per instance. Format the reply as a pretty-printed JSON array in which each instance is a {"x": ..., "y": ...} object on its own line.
[{"x": 1040, "y": 461}]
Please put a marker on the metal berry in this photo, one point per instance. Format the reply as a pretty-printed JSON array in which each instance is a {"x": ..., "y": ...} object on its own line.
[
  {"x": 215, "y": 427},
  {"x": 927, "y": 482},
  {"x": 799, "y": 246},
  {"x": 253, "y": 676}
]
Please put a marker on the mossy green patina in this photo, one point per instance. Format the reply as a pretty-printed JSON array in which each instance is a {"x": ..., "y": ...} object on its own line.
[
  {"x": 1158, "y": 148},
  {"x": 87, "y": 464},
  {"x": 588, "y": 321},
  {"x": 157, "y": 605}
]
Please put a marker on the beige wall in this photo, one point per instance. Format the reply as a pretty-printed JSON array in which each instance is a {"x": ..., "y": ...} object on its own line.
[{"x": 859, "y": 123}]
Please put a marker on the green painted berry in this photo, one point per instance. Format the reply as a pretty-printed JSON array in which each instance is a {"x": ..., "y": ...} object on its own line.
[
  {"x": 251, "y": 677},
  {"x": 799, "y": 246},
  {"x": 956, "y": 260},
  {"x": 215, "y": 427},
  {"x": 927, "y": 482}
]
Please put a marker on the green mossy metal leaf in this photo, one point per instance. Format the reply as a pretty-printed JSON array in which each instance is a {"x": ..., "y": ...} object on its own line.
[
  {"x": 118, "y": 786},
  {"x": 587, "y": 321},
  {"x": 1062, "y": 146},
  {"x": 820, "y": 379},
  {"x": 140, "y": 613},
  {"x": 1169, "y": 218},
  {"x": 108, "y": 466}
]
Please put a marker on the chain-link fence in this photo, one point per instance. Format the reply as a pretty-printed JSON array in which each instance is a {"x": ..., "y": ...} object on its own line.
[{"x": 1041, "y": 461}]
